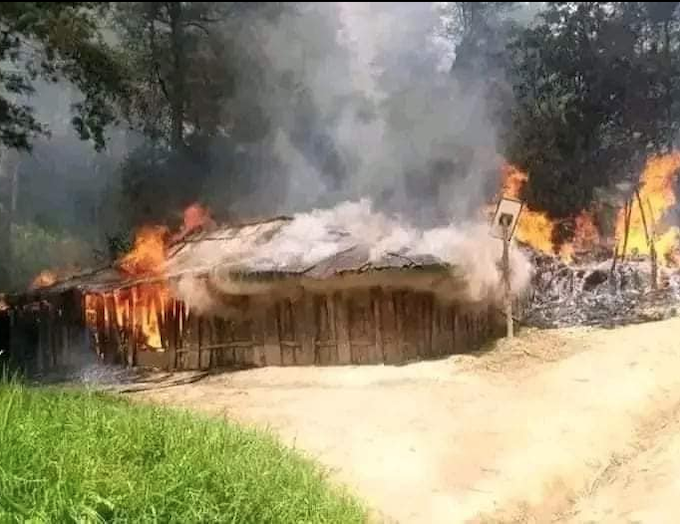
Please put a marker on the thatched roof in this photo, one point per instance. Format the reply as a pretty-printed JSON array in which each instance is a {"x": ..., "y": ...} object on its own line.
[{"x": 262, "y": 250}]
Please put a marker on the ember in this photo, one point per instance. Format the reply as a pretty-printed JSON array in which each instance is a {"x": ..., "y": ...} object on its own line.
[{"x": 45, "y": 278}]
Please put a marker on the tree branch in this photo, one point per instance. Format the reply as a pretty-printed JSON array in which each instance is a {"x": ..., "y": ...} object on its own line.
[{"x": 193, "y": 23}]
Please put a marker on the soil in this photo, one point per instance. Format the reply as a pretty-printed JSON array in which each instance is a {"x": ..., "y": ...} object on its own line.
[{"x": 574, "y": 425}]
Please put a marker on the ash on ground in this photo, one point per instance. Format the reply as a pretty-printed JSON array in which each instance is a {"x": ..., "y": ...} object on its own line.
[
  {"x": 590, "y": 293},
  {"x": 95, "y": 375}
]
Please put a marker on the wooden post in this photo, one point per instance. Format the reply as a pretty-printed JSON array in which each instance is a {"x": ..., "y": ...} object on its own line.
[
  {"x": 131, "y": 326},
  {"x": 342, "y": 329},
  {"x": 626, "y": 223},
  {"x": 649, "y": 235},
  {"x": 616, "y": 254},
  {"x": 506, "y": 280},
  {"x": 652, "y": 246}
]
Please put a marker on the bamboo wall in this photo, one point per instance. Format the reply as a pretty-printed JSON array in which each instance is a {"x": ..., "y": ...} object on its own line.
[
  {"x": 357, "y": 327},
  {"x": 49, "y": 334},
  {"x": 349, "y": 327}
]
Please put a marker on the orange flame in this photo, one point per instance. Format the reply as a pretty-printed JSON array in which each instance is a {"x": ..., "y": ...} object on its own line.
[
  {"x": 141, "y": 307},
  {"x": 657, "y": 196},
  {"x": 148, "y": 252},
  {"x": 534, "y": 228},
  {"x": 513, "y": 181},
  {"x": 45, "y": 278},
  {"x": 151, "y": 242},
  {"x": 195, "y": 217},
  {"x": 586, "y": 236}
]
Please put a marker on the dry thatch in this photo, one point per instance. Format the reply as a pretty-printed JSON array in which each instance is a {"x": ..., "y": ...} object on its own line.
[{"x": 253, "y": 252}]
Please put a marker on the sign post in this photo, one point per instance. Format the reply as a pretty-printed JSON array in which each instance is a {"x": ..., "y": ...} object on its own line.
[{"x": 503, "y": 227}]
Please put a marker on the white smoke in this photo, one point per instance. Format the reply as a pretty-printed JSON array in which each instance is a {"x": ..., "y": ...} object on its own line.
[
  {"x": 310, "y": 238},
  {"x": 402, "y": 130},
  {"x": 369, "y": 116}
]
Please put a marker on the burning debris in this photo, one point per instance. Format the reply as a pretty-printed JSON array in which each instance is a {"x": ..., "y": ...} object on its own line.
[
  {"x": 648, "y": 207},
  {"x": 595, "y": 294},
  {"x": 586, "y": 282},
  {"x": 537, "y": 229}
]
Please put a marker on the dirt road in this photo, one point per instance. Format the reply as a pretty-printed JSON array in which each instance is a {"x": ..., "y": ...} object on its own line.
[{"x": 570, "y": 425}]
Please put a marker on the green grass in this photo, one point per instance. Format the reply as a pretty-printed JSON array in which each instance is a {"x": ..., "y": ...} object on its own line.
[{"x": 78, "y": 456}]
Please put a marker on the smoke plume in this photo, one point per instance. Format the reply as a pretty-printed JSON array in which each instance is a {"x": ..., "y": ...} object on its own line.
[
  {"x": 311, "y": 237},
  {"x": 384, "y": 119}
]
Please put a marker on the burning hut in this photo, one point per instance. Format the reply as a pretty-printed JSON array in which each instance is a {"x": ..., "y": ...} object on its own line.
[{"x": 249, "y": 295}]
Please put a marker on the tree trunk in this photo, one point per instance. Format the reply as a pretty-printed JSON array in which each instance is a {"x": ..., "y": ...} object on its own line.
[
  {"x": 668, "y": 83},
  {"x": 177, "y": 79},
  {"x": 9, "y": 163}
]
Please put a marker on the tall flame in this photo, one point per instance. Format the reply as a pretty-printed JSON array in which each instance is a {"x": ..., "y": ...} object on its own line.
[
  {"x": 146, "y": 302},
  {"x": 657, "y": 196},
  {"x": 537, "y": 229},
  {"x": 148, "y": 252},
  {"x": 533, "y": 228}
]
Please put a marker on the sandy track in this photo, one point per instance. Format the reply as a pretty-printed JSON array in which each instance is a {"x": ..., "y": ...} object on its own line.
[{"x": 550, "y": 427}]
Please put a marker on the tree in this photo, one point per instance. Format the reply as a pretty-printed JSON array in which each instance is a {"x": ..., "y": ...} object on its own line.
[
  {"x": 54, "y": 42},
  {"x": 185, "y": 61},
  {"x": 594, "y": 85},
  {"x": 59, "y": 41}
]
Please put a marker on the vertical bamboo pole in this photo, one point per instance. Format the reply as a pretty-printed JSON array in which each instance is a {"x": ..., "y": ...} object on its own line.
[
  {"x": 652, "y": 247},
  {"x": 510, "y": 331},
  {"x": 649, "y": 235},
  {"x": 618, "y": 240},
  {"x": 131, "y": 326},
  {"x": 626, "y": 223}
]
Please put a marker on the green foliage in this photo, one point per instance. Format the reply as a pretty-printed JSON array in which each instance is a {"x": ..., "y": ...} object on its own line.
[
  {"x": 37, "y": 249},
  {"x": 596, "y": 89},
  {"x": 185, "y": 61},
  {"x": 57, "y": 41},
  {"x": 71, "y": 456}
]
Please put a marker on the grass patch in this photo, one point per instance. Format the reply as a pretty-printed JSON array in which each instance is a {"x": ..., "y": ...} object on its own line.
[{"x": 78, "y": 456}]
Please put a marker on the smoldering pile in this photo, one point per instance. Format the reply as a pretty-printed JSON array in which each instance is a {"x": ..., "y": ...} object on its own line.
[{"x": 596, "y": 293}]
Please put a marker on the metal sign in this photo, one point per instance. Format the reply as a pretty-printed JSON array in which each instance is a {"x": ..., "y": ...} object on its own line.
[{"x": 507, "y": 214}]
